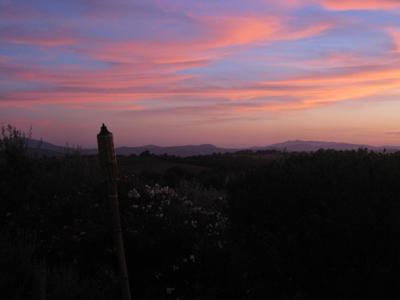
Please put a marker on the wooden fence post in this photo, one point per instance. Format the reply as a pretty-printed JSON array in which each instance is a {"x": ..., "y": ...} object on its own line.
[
  {"x": 108, "y": 163},
  {"x": 40, "y": 272}
]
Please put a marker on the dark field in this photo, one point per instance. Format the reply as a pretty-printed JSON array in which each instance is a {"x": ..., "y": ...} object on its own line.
[{"x": 246, "y": 225}]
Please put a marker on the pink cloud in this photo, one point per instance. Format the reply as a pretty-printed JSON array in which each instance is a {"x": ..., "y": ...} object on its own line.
[
  {"x": 53, "y": 38},
  {"x": 218, "y": 38},
  {"x": 394, "y": 34},
  {"x": 290, "y": 94},
  {"x": 146, "y": 70},
  {"x": 360, "y": 4},
  {"x": 39, "y": 41},
  {"x": 237, "y": 30},
  {"x": 214, "y": 33},
  {"x": 348, "y": 4}
]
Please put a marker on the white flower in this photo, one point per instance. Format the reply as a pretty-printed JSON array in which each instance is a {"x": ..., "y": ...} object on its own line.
[
  {"x": 220, "y": 245},
  {"x": 188, "y": 202},
  {"x": 133, "y": 194},
  {"x": 194, "y": 223}
]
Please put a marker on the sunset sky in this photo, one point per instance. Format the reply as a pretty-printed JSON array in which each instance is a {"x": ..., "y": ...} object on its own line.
[{"x": 173, "y": 72}]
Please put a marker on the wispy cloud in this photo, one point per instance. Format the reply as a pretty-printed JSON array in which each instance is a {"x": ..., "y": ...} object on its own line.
[
  {"x": 360, "y": 4},
  {"x": 349, "y": 4},
  {"x": 196, "y": 60},
  {"x": 394, "y": 34}
]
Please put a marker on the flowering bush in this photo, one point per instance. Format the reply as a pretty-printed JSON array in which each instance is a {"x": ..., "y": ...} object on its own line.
[{"x": 173, "y": 237}]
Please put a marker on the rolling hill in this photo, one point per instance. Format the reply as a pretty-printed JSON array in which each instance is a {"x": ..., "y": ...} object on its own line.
[{"x": 44, "y": 148}]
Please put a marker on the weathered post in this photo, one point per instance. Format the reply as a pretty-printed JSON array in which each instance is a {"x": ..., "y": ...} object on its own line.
[
  {"x": 41, "y": 278},
  {"x": 108, "y": 163}
]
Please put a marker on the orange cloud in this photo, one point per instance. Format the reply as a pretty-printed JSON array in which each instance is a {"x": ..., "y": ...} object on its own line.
[
  {"x": 314, "y": 91},
  {"x": 233, "y": 31},
  {"x": 279, "y": 95}
]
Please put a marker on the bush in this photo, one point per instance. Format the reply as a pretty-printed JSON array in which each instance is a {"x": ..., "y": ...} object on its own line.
[
  {"x": 15, "y": 170},
  {"x": 318, "y": 226}
]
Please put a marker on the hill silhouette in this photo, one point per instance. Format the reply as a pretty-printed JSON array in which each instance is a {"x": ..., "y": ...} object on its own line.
[{"x": 45, "y": 148}]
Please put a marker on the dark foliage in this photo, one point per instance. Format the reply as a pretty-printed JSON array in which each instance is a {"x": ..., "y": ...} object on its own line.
[
  {"x": 318, "y": 226},
  {"x": 250, "y": 225},
  {"x": 54, "y": 214}
]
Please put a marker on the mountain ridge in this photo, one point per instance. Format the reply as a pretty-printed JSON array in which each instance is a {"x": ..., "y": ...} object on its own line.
[{"x": 43, "y": 147}]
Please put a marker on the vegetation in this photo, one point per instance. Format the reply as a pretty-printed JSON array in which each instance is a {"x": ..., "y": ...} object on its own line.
[{"x": 262, "y": 225}]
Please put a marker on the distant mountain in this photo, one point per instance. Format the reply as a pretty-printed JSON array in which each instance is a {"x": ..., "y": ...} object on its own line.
[
  {"x": 310, "y": 146},
  {"x": 44, "y": 148},
  {"x": 188, "y": 150}
]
